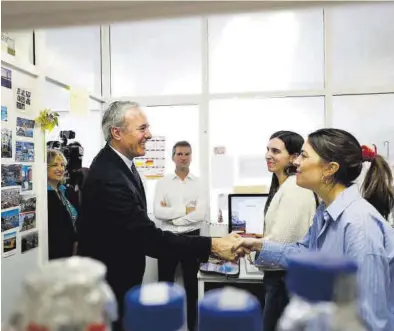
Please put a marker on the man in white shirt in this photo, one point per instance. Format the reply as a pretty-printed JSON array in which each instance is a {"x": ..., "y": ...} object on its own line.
[{"x": 180, "y": 203}]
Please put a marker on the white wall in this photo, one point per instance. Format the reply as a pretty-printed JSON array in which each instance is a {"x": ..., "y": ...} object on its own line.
[
  {"x": 26, "y": 74},
  {"x": 15, "y": 267}
]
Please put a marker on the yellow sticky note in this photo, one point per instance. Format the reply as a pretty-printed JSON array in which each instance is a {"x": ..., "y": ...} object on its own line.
[{"x": 79, "y": 101}]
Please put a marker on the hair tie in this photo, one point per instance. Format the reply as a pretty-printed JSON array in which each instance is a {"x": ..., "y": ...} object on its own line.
[{"x": 368, "y": 153}]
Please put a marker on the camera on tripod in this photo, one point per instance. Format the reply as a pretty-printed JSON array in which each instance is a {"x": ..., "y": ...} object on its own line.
[{"x": 73, "y": 152}]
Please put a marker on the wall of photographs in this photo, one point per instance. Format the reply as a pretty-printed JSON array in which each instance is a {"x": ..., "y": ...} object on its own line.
[
  {"x": 18, "y": 201},
  {"x": 21, "y": 179}
]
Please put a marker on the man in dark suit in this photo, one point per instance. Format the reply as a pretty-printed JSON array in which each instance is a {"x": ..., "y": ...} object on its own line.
[{"x": 114, "y": 226}]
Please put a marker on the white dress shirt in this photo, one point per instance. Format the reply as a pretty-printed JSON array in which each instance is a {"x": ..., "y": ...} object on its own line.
[{"x": 179, "y": 194}]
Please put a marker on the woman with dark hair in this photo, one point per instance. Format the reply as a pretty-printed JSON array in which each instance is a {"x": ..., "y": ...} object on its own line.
[
  {"x": 346, "y": 222},
  {"x": 288, "y": 215}
]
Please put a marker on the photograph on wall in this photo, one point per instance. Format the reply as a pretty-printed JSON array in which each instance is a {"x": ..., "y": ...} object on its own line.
[
  {"x": 6, "y": 78},
  {"x": 29, "y": 241},
  {"x": 7, "y": 44},
  {"x": 27, "y": 221},
  {"x": 9, "y": 219},
  {"x": 11, "y": 175},
  {"x": 27, "y": 178},
  {"x": 24, "y": 127},
  {"x": 10, "y": 197},
  {"x": 23, "y": 99},
  {"x": 9, "y": 244},
  {"x": 6, "y": 143},
  {"x": 28, "y": 203},
  {"x": 4, "y": 114},
  {"x": 24, "y": 151}
]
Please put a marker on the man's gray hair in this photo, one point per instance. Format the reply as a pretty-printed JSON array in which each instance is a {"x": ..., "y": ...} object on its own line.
[{"x": 114, "y": 116}]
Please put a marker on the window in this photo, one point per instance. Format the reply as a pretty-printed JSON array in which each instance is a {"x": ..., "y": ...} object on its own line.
[
  {"x": 273, "y": 50},
  {"x": 74, "y": 55},
  {"x": 362, "y": 45},
  {"x": 87, "y": 128},
  {"x": 244, "y": 126},
  {"x": 156, "y": 57},
  {"x": 57, "y": 98},
  {"x": 370, "y": 118}
]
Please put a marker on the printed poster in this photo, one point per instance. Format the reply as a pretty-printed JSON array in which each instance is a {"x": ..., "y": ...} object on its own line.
[
  {"x": 23, "y": 99},
  {"x": 10, "y": 197},
  {"x": 7, "y": 44},
  {"x": 24, "y": 151},
  {"x": 152, "y": 164},
  {"x": 29, "y": 241},
  {"x": 4, "y": 114},
  {"x": 9, "y": 219},
  {"x": 11, "y": 175},
  {"x": 27, "y": 215},
  {"x": 27, "y": 221},
  {"x": 6, "y": 143},
  {"x": 9, "y": 244},
  {"x": 24, "y": 127},
  {"x": 6, "y": 78},
  {"x": 27, "y": 178}
]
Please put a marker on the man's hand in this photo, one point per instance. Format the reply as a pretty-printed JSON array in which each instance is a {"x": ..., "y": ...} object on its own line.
[
  {"x": 190, "y": 210},
  {"x": 251, "y": 244},
  {"x": 224, "y": 247},
  {"x": 163, "y": 204}
]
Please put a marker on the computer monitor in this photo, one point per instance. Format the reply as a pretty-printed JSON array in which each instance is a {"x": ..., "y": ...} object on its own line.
[{"x": 246, "y": 213}]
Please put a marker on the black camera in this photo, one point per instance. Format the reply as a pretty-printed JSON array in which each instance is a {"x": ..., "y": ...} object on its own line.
[{"x": 73, "y": 152}]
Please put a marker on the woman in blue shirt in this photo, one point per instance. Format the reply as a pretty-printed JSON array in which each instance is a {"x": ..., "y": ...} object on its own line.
[
  {"x": 62, "y": 215},
  {"x": 346, "y": 222}
]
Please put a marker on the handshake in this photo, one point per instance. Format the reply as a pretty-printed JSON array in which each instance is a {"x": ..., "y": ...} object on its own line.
[{"x": 233, "y": 246}]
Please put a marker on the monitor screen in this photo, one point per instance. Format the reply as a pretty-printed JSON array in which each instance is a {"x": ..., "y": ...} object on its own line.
[{"x": 246, "y": 212}]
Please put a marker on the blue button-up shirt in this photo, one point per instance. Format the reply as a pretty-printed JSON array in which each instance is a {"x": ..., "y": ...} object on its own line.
[{"x": 351, "y": 226}]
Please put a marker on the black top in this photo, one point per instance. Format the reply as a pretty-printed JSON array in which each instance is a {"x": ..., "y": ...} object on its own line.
[{"x": 61, "y": 232}]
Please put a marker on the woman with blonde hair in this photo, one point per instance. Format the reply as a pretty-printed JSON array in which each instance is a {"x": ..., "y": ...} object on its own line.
[{"x": 62, "y": 216}]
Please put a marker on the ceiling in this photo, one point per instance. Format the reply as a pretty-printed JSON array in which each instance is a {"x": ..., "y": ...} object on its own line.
[{"x": 28, "y": 15}]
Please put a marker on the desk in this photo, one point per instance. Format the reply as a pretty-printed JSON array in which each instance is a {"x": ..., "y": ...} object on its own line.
[{"x": 244, "y": 277}]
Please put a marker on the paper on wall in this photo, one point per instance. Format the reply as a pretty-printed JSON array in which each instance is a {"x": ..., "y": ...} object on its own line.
[
  {"x": 252, "y": 166},
  {"x": 9, "y": 244},
  {"x": 219, "y": 150},
  {"x": 152, "y": 164},
  {"x": 23, "y": 99},
  {"x": 222, "y": 170},
  {"x": 79, "y": 101}
]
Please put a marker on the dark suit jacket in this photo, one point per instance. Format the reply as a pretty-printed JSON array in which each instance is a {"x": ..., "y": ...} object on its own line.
[
  {"x": 114, "y": 227},
  {"x": 61, "y": 233}
]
